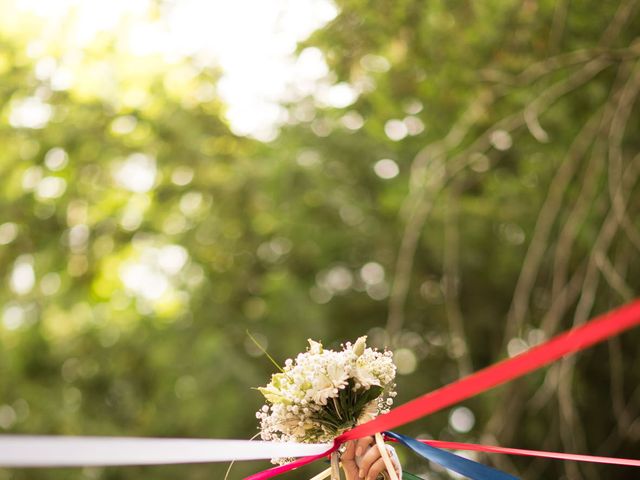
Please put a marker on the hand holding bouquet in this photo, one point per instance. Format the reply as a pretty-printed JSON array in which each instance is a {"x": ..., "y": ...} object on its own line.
[{"x": 362, "y": 460}]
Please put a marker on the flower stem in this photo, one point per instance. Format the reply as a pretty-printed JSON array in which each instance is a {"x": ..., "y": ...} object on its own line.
[{"x": 335, "y": 403}]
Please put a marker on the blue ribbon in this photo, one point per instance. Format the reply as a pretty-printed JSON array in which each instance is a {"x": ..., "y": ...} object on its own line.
[{"x": 461, "y": 465}]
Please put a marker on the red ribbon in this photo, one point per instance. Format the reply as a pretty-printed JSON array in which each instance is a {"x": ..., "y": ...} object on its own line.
[
  {"x": 532, "y": 453},
  {"x": 272, "y": 472},
  {"x": 595, "y": 331}
]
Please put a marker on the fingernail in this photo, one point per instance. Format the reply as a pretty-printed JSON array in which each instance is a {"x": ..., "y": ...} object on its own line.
[{"x": 361, "y": 473}]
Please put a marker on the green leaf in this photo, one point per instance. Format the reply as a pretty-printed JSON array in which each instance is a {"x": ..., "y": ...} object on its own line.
[{"x": 409, "y": 476}]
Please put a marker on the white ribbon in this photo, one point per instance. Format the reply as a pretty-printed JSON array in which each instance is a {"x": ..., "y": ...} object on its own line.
[{"x": 52, "y": 451}]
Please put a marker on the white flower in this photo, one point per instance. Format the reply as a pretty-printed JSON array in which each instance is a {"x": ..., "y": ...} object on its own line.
[
  {"x": 322, "y": 391},
  {"x": 359, "y": 346},
  {"x": 365, "y": 375},
  {"x": 315, "y": 348},
  {"x": 337, "y": 373}
]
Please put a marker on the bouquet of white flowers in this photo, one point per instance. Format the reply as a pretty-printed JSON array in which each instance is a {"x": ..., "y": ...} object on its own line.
[{"x": 323, "y": 393}]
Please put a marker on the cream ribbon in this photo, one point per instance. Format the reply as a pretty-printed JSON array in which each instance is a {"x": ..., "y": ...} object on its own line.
[{"x": 53, "y": 451}]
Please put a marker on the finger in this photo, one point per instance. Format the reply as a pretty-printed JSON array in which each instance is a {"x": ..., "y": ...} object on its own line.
[
  {"x": 394, "y": 460},
  {"x": 350, "y": 470},
  {"x": 376, "y": 468},
  {"x": 348, "y": 461},
  {"x": 362, "y": 445},
  {"x": 350, "y": 451},
  {"x": 368, "y": 459}
]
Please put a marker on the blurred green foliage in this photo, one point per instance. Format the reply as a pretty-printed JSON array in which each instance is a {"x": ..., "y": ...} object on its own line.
[{"x": 141, "y": 238}]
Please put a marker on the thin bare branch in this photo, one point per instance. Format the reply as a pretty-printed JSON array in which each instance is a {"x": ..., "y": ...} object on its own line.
[
  {"x": 613, "y": 278},
  {"x": 451, "y": 284},
  {"x": 428, "y": 179},
  {"x": 546, "y": 218},
  {"x": 558, "y": 24},
  {"x": 623, "y": 15}
]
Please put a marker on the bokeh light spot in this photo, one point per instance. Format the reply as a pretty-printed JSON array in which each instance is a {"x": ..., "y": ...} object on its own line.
[
  {"x": 50, "y": 283},
  {"x": 13, "y": 316},
  {"x": 8, "y": 417},
  {"x": 182, "y": 176},
  {"x": 375, "y": 63},
  {"x": 23, "y": 276},
  {"x": 30, "y": 113},
  {"x": 50, "y": 188},
  {"x": 396, "y": 130},
  {"x": 405, "y": 360},
  {"x": 501, "y": 140},
  {"x": 386, "y": 169},
  {"x": 372, "y": 273},
  {"x": 8, "y": 233},
  {"x": 516, "y": 346},
  {"x": 462, "y": 419},
  {"x": 137, "y": 173},
  {"x": 56, "y": 159}
]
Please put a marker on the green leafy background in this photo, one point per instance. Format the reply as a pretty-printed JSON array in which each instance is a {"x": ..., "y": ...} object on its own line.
[{"x": 515, "y": 215}]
